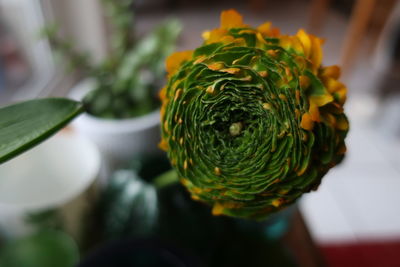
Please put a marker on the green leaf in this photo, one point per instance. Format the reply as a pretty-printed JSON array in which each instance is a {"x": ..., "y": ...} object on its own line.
[
  {"x": 26, "y": 124},
  {"x": 46, "y": 248}
]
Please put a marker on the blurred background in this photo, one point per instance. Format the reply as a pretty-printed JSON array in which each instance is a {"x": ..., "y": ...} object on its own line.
[{"x": 354, "y": 217}]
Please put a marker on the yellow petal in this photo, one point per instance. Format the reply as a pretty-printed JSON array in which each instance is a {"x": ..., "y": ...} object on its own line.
[
  {"x": 331, "y": 72},
  {"x": 228, "y": 39},
  {"x": 316, "y": 51},
  {"x": 275, "y": 32},
  {"x": 265, "y": 28},
  {"x": 260, "y": 38},
  {"x": 231, "y": 19},
  {"x": 166, "y": 127},
  {"x": 194, "y": 197},
  {"x": 263, "y": 73},
  {"x": 231, "y": 70},
  {"x": 175, "y": 60},
  {"x": 306, "y": 122},
  {"x": 301, "y": 62},
  {"x": 342, "y": 95},
  {"x": 163, "y": 93},
  {"x": 312, "y": 47},
  {"x": 163, "y": 108},
  {"x": 330, "y": 119},
  {"x": 185, "y": 182},
  {"x": 333, "y": 85},
  {"x": 215, "y": 35},
  {"x": 291, "y": 42},
  {"x": 216, "y": 66},
  {"x": 304, "y": 82},
  {"x": 285, "y": 42},
  {"x": 321, "y": 100},
  {"x": 342, "y": 124},
  {"x": 217, "y": 209},
  {"x": 200, "y": 59},
  {"x": 277, "y": 202},
  {"x": 305, "y": 41},
  {"x": 296, "y": 44},
  {"x": 239, "y": 41},
  {"x": 206, "y": 35},
  {"x": 248, "y": 31},
  {"x": 196, "y": 190},
  {"x": 163, "y": 145},
  {"x": 178, "y": 93},
  {"x": 314, "y": 111},
  {"x": 273, "y": 53}
]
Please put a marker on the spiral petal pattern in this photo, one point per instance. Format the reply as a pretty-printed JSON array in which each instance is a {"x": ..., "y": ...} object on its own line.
[{"x": 251, "y": 120}]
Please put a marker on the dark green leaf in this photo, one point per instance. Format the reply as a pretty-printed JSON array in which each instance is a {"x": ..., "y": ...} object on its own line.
[
  {"x": 46, "y": 248},
  {"x": 26, "y": 124}
]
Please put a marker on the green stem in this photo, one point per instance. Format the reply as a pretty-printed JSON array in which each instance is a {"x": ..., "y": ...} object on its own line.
[{"x": 166, "y": 179}]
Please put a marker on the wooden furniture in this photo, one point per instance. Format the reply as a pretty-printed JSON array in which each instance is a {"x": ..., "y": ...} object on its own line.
[
  {"x": 300, "y": 243},
  {"x": 368, "y": 16}
]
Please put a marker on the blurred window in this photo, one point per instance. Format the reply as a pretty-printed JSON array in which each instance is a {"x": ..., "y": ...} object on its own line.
[{"x": 26, "y": 63}]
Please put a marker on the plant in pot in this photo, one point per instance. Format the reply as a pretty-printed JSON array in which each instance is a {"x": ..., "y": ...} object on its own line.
[
  {"x": 251, "y": 120},
  {"x": 120, "y": 93}
]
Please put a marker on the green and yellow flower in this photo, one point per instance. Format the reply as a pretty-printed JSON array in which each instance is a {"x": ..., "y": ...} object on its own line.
[{"x": 251, "y": 120}]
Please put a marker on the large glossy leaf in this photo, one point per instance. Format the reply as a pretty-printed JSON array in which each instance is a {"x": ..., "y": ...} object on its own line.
[{"x": 26, "y": 124}]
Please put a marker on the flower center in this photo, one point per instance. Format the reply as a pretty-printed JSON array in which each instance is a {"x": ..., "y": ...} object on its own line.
[{"x": 236, "y": 128}]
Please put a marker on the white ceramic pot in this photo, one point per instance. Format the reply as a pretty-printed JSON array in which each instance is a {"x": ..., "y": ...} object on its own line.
[
  {"x": 118, "y": 140},
  {"x": 58, "y": 174}
]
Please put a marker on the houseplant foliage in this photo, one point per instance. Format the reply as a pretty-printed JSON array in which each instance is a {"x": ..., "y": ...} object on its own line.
[
  {"x": 128, "y": 79},
  {"x": 126, "y": 82},
  {"x": 251, "y": 120}
]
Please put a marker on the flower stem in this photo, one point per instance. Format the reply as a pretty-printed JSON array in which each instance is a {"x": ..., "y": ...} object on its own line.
[{"x": 166, "y": 179}]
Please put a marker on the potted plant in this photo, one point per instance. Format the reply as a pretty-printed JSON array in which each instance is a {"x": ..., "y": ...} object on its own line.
[
  {"x": 120, "y": 93},
  {"x": 251, "y": 121}
]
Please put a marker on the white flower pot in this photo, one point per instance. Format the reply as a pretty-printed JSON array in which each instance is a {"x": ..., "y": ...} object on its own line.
[
  {"x": 58, "y": 174},
  {"x": 119, "y": 140}
]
